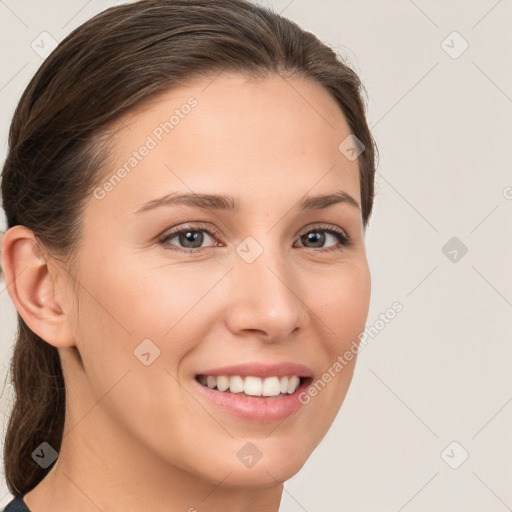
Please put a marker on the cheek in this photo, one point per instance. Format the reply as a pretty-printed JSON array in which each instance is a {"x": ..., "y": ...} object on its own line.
[
  {"x": 344, "y": 300},
  {"x": 344, "y": 310},
  {"x": 117, "y": 315},
  {"x": 129, "y": 316},
  {"x": 127, "y": 300}
]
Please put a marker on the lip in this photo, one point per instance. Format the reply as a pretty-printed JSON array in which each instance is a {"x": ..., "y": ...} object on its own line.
[
  {"x": 261, "y": 370},
  {"x": 257, "y": 409}
]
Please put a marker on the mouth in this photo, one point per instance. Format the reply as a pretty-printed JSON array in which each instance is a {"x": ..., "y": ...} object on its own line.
[
  {"x": 253, "y": 386},
  {"x": 255, "y": 393}
]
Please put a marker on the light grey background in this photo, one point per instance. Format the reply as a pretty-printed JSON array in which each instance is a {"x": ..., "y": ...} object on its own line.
[{"x": 441, "y": 370}]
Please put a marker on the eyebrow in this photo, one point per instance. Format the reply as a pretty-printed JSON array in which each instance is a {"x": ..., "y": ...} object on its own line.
[{"x": 223, "y": 202}]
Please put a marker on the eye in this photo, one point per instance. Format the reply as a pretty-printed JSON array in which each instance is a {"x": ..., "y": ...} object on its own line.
[
  {"x": 190, "y": 239},
  {"x": 318, "y": 236}
]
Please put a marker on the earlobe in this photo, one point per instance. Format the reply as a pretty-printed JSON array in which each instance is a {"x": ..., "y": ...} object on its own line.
[{"x": 33, "y": 287}]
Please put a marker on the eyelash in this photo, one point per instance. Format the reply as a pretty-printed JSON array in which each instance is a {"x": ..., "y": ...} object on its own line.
[{"x": 344, "y": 240}]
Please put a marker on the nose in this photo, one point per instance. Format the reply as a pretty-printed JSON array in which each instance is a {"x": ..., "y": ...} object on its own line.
[{"x": 265, "y": 297}]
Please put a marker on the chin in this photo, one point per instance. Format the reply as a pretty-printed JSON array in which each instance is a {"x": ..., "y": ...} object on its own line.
[
  {"x": 274, "y": 470},
  {"x": 261, "y": 462}
]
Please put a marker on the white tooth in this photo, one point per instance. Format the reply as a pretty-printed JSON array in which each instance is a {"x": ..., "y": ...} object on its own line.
[
  {"x": 283, "y": 384},
  {"x": 252, "y": 386},
  {"x": 271, "y": 387},
  {"x": 211, "y": 381},
  {"x": 222, "y": 382},
  {"x": 236, "y": 384},
  {"x": 293, "y": 384}
]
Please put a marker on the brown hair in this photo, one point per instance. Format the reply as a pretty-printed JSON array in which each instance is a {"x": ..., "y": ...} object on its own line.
[{"x": 103, "y": 69}]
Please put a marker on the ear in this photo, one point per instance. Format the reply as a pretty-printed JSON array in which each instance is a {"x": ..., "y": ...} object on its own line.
[{"x": 36, "y": 287}]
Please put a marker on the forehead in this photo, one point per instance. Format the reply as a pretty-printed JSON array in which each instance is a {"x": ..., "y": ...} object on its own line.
[{"x": 235, "y": 135}]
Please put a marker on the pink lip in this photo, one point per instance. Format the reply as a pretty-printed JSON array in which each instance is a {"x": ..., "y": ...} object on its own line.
[
  {"x": 256, "y": 409},
  {"x": 261, "y": 370}
]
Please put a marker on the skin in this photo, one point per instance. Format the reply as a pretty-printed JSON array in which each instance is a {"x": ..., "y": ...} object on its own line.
[{"x": 141, "y": 437}]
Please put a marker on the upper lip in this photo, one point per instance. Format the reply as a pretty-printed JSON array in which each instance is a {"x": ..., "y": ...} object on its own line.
[{"x": 261, "y": 370}]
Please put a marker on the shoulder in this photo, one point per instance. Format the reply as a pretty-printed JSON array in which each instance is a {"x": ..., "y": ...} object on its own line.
[{"x": 16, "y": 505}]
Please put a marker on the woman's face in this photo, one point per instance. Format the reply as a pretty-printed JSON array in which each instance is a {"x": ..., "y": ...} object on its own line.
[{"x": 267, "y": 289}]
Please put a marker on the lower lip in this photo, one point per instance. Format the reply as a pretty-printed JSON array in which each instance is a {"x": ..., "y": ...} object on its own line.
[{"x": 256, "y": 409}]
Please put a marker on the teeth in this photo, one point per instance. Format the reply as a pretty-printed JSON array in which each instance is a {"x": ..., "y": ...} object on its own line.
[
  {"x": 293, "y": 384},
  {"x": 236, "y": 384},
  {"x": 222, "y": 383},
  {"x": 252, "y": 386},
  {"x": 271, "y": 387},
  {"x": 284, "y": 384}
]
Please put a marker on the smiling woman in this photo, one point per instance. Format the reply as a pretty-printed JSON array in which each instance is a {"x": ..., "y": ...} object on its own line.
[{"x": 170, "y": 322}]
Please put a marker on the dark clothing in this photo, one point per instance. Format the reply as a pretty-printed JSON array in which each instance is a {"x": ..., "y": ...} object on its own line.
[{"x": 16, "y": 505}]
